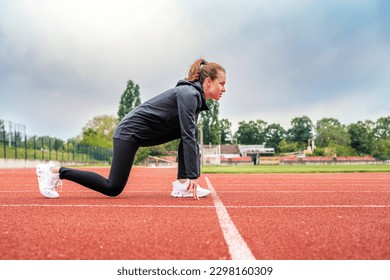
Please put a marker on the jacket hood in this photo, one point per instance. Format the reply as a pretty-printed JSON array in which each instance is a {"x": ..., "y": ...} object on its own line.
[{"x": 199, "y": 88}]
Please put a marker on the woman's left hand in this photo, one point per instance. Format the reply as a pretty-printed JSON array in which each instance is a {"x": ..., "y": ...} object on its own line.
[{"x": 192, "y": 186}]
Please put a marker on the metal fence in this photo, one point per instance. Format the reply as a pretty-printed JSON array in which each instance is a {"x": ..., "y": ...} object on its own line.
[{"x": 14, "y": 144}]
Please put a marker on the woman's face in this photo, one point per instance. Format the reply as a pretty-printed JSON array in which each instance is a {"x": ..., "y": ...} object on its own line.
[{"x": 214, "y": 89}]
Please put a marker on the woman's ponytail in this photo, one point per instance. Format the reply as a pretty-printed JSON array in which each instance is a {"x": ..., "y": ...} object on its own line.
[{"x": 201, "y": 69}]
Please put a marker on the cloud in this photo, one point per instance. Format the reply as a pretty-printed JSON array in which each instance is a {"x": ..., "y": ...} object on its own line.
[
  {"x": 315, "y": 54},
  {"x": 283, "y": 58},
  {"x": 80, "y": 54}
]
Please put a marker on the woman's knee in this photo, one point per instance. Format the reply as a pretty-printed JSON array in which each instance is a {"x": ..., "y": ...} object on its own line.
[{"x": 114, "y": 190}]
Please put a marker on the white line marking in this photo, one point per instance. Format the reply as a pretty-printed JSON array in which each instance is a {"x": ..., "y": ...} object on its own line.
[
  {"x": 106, "y": 205},
  {"x": 335, "y": 191},
  {"x": 237, "y": 246},
  {"x": 80, "y": 191},
  {"x": 224, "y": 191},
  {"x": 310, "y": 206},
  {"x": 192, "y": 206}
]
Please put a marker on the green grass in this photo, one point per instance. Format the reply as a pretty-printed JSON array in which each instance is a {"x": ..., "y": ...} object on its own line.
[{"x": 295, "y": 169}]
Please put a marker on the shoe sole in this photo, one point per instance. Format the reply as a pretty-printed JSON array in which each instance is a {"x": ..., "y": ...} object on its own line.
[
  {"x": 178, "y": 194},
  {"x": 49, "y": 193}
]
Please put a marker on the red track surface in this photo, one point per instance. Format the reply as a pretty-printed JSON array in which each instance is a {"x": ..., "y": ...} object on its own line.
[{"x": 279, "y": 216}]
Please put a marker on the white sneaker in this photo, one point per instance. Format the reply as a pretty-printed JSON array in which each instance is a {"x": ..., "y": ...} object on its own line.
[
  {"x": 180, "y": 190},
  {"x": 47, "y": 180}
]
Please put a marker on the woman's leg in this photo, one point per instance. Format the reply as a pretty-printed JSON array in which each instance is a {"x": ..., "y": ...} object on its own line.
[
  {"x": 122, "y": 161},
  {"x": 181, "y": 168}
]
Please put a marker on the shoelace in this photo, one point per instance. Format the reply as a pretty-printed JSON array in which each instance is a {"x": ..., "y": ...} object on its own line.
[{"x": 56, "y": 181}]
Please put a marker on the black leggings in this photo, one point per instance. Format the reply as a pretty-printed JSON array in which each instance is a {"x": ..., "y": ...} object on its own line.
[{"x": 122, "y": 161}]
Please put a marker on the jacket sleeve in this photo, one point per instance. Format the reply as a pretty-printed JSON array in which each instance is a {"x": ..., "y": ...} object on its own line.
[{"x": 187, "y": 104}]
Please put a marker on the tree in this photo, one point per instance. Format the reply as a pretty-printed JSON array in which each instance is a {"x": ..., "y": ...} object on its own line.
[
  {"x": 362, "y": 135},
  {"x": 210, "y": 123},
  {"x": 225, "y": 131},
  {"x": 98, "y": 131},
  {"x": 251, "y": 133},
  {"x": 285, "y": 147},
  {"x": 382, "y": 128},
  {"x": 129, "y": 99},
  {"x": 300, "y": 131},
  {"x": 142, "y": 153},
  {"x": 274, "y": 134},
  {"x": 381, "y": 149},
  {"x": 58, "y": 143},
  {"x": 331, "y": 131}
]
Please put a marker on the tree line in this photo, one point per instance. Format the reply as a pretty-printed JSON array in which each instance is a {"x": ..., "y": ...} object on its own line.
[{"x": 329, "y": 135}]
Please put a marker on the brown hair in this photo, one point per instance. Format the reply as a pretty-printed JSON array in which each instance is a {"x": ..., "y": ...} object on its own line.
[{"x": 201, "y": 69}]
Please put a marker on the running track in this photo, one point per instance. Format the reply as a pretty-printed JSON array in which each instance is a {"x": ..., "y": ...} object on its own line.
[{"x": 258, "y": 216}]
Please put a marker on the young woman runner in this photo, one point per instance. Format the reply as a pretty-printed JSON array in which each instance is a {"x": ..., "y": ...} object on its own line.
[{"x": 170, "y": 115}]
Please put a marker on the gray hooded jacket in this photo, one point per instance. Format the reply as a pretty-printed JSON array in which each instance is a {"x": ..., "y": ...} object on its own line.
[{"x": 170, "y": 115}]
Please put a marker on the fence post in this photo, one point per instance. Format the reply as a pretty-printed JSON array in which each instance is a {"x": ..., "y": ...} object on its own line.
[
  {"x": 43, "y": 150},
  {"x": 35, "y": 147},
  {"x": 49, "y": 148},
  {"x": 4, "y": 145},
  {"x": 25, "y": 147},
  {"x": 16, "y": 145}
]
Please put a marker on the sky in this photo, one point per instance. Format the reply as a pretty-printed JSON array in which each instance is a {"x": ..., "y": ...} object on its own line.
[{"x": 64, "y": 62}]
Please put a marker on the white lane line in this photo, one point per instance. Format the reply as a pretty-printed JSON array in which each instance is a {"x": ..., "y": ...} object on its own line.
[
  {"x": 106, "y": 205},
  {"x": 224, "y": 191},
  {"x": 335, "y": 191},
  {"x": 310, "y": 206},
  {"x": 237, "y": 246},
  {"x": 80, "y": 191},
  {"x": 192, "y": 206}
]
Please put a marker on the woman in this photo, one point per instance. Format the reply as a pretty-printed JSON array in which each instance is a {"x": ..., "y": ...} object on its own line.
[{"x": 171, "y": 115}]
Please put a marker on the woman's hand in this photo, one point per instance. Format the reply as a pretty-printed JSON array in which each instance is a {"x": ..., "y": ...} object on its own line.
[{"x": 192, "y": 188}]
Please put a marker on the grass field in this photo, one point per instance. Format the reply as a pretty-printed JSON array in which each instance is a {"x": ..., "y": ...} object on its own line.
[{"x": 295, "y": 169}]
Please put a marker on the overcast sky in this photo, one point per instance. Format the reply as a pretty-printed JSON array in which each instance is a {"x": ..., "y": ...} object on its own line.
[{"x": 63, "y": 62}]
